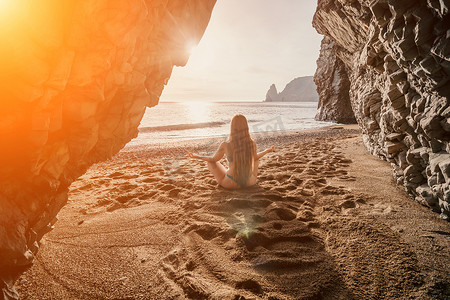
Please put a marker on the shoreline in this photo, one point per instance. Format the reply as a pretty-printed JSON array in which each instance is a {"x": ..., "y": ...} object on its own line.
[
  {"x": 214, "y": 119},
  {"x": 263, "y": 138},
  {"x": 326, "y": 219}
]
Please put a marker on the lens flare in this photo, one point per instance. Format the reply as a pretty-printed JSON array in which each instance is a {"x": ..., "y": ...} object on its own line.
[
  {"x": 189, "y": 46},
  {"x": 12, "y": 16},
  {"x": 8, "y": 9},
  {"x": 198, "y": 111},
  {"x": 4, "y": 4}
]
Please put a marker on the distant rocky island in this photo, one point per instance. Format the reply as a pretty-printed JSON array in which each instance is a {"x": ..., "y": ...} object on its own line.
[{"x": 301, "y": 89}]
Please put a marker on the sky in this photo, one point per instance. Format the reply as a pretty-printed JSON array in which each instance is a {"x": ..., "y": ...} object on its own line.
[{"x": 248, "y": 45}]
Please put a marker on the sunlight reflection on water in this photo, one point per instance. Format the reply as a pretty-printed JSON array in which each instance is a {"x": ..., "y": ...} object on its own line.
[{"x": 172, "y": 121}]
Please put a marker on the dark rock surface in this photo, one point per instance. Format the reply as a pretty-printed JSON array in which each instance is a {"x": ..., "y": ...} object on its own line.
[
  {"x": 333, "y": 86},
  {"x": 75, "y": 79},
  {"x": 397, "y": 57},
  {"x": 300, "y": 89}
]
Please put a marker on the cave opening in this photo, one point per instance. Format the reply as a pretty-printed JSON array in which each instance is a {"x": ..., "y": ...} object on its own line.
[{"x": 141, "y": 220}]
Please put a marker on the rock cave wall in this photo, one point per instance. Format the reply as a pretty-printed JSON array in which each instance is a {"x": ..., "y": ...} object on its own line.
[
  {"x": 397, "y": 57},
  {"x": 333, "y": 86},
  {"x": 75, "y": 80}
]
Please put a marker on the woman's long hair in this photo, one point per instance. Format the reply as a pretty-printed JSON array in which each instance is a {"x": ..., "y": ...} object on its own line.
[{"x": 242, "y": 149}]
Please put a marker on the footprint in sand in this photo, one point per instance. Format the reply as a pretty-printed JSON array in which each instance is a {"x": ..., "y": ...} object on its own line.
[
  {"x": 113, "y": 206},
  {"x": 85, "y": 187},
  {"x": 173, "y": 193},
  {"x": 305, "y": 213},
  {"x": 166, "y": 187},
  {"x": 332, "y": 190},
  {"x": 345, "y": 161},
  {"x": 317, "y": 162},
  {"x": 291, "y": 168},
  {"x": 126, "y": 187},
  {"x": 125, "y": 198},
  {"x": 281, "y": 177},
  {"x": 314, "y": 183},
  {"x": 279, "y": 212},
  {"x": 311, "y": 171},
  {"x": 295, "y": 179},
  {"x": 115, "y": 175},
  {"x": 104, "y": 182},
  {"x": 150, "y": 179},
  {"x": 130, "y": 176},
  {"x": 209, "y": 231},
  {"x": 347, "y": 204},
  {"x": 147, "y": 195},
  {"x": 306, "y": 192},
  {"x": 347, "y": 178},
  {"x": 145, "y": 173}
]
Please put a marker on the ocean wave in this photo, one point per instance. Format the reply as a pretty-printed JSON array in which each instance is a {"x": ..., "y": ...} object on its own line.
[{"x": 181, "y": 126}]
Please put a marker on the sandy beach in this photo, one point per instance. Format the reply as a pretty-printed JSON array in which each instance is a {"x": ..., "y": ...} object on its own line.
[{"x": 325, "y": 221}]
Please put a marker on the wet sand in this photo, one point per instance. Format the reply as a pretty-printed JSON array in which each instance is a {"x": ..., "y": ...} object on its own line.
[{"x": 326, "y": 221}]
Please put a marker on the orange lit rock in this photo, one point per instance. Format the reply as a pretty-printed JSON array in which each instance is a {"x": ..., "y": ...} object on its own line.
[{"x": 75, "y": 79}]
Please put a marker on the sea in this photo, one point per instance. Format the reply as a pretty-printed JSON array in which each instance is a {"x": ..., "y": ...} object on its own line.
[{"x": 177, "y": 121}]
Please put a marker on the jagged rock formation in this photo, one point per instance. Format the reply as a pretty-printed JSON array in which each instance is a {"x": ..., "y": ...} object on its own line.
[
  {"x": 301, "y": 89},
  {"x": 75, "y": 79},
  {"x": 272, "y": 94},
  {"x": 333, "y": 86},
  {"x": 397, "y": 56}
]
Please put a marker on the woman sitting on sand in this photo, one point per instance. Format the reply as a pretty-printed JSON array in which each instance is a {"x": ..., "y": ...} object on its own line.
[{"x": 241, "y": 155}]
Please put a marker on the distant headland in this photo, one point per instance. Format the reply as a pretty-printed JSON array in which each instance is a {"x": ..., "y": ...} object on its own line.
[{"x": 301, "y": 89}]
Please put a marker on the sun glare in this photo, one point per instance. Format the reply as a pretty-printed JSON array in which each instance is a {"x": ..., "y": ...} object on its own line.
[
  {"x": 3, "y": 3},
  {"x": 198, "y": 111},
  {"x": 7, "y": 7},
  {"x": 189, "y": 47},
  {"x": 11, "y": 11}
]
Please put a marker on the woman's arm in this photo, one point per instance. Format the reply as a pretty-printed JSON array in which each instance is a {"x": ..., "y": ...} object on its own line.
[
  {"x": 216, "y": 157},
  {"x": 262, "y": 153}
]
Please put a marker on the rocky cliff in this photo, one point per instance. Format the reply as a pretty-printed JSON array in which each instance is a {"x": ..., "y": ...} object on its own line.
[
  {"x": 272, "y": 94},
  {"x": 333, "y": 86},
  {"x": 301, "y": 89},
  {"x": 75, "y": 79},
  {"x": 397, "y": 57}
]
